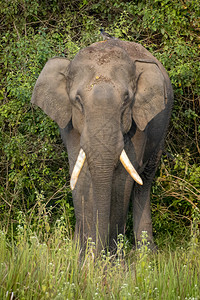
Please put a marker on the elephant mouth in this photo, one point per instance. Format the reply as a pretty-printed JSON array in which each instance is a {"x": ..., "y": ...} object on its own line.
[{"x": 123, "y": 158}]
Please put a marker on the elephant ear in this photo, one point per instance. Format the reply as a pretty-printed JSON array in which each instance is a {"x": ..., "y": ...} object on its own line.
[
  {"x": 150, "y": 97},
  {"x": 50, "y": 91}
]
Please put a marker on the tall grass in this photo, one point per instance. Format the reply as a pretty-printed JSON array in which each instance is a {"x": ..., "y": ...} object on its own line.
[{"x": 35, "y": 264}]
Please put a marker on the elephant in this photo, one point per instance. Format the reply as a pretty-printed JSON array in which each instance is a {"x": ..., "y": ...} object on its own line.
[{"x": 112, "y": 103}]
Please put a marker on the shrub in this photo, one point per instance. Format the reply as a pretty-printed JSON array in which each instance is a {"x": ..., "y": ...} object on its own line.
[{"x": 33, "y": 159}]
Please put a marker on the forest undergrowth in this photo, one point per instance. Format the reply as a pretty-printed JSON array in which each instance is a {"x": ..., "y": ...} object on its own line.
[{"x": 37, "y": 253}]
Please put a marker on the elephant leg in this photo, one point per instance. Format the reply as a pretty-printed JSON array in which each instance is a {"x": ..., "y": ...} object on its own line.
[
  {"x": 142, "y": 212},
  {"x": 141, "y": 202},
  {"x": 121, "y": 192},
  {"x": 83, "y": 206},
  {"x": 82, "y": 194}
]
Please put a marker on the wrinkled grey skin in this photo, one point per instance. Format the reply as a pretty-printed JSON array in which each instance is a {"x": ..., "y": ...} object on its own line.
[{"x": 113, "y": 95}]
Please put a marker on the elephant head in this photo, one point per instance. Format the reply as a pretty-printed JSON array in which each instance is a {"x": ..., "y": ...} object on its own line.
[{"x": 106, "y": 88}]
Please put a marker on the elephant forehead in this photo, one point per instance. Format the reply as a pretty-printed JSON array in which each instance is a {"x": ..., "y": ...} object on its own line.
[
  {"x": 89, "y": 75},
  {"x": 102, "y": 101},
  {"x": 104, "y": 95},
  {"x": 118, "y": 75},
  {"x": 98, "y": 79}
]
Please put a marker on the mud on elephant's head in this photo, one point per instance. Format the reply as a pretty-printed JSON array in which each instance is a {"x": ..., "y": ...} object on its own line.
[{"x": 106, "y": 87}]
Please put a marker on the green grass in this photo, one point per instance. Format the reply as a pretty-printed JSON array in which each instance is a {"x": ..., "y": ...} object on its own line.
[{"x": 42, "y": 265}]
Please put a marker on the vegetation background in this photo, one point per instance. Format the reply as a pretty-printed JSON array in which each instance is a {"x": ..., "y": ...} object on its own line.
[
  {"x": 37, "y": 257},
  {"x": 34, "y": 178}
]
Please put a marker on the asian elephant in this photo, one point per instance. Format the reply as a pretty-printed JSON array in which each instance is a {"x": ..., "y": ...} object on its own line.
[{"x": 112, "y": 103}]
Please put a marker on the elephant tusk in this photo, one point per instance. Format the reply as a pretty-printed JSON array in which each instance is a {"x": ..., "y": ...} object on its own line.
[
  {"x": 129, "y": 167},
  {"x": 77, "y": 168}
]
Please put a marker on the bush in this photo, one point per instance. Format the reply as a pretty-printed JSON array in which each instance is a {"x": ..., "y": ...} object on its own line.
[{"x": 33, "y": 159}]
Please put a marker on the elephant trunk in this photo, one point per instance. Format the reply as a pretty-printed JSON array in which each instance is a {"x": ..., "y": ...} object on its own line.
[
  {"x": 102, "y": 149},
  {"x": 102, "y": 183}
]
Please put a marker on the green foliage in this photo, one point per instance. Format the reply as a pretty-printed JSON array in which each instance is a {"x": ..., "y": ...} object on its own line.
[
  {"x": 33, "y": 160},
  {"x": 34, "y": 265}
]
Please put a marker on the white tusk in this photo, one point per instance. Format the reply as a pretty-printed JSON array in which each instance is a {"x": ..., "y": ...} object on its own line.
[
  {"x": 77, "y": 168},
  {"x": 129, "y": 167}
]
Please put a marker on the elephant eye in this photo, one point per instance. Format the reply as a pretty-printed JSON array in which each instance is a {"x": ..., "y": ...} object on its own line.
[
  {"x": 126, "y": 99},
  {"x": 78, "y": 98},
  {"x": 78, "y": 102}
]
